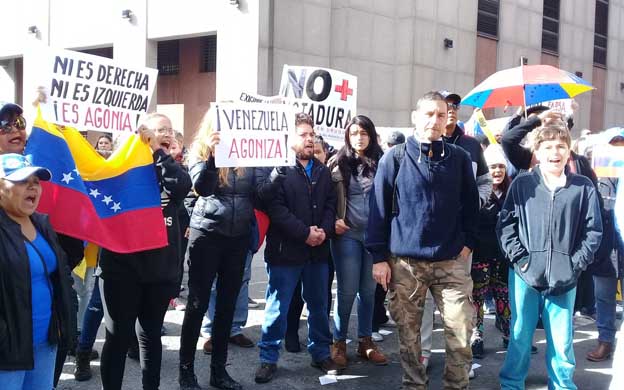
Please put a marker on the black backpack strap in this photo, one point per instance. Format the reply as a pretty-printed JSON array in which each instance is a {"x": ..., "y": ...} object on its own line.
[{"x": 399, "y": 154}]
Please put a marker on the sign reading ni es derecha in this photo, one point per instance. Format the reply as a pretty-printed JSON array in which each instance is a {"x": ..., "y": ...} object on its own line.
[{"x": 90, "y": 92}]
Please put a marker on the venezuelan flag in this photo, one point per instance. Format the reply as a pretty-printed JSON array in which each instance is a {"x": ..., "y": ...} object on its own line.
[{"x": 112, "y": 203}]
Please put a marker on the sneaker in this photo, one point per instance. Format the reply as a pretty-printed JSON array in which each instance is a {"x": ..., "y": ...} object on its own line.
[
  {"x": 207, "y": 348},
  {"x": 338, "y": 352},
  {"x": 328, "y": 366},
  {"x": 471, "y": 374},
  {"x": 377, "y": 337},
  {"x": 477, "y": 349},
  {"x": 265, "y": 372},
  {"x": 251, "y": 303},
  {"x": 368, "y": 350},
  {"x": 424, "y": 361},
  {"x": 242, "y": 341}
]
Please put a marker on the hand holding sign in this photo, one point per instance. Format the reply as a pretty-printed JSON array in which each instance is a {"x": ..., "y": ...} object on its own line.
[{"x": 213, "y": 140}]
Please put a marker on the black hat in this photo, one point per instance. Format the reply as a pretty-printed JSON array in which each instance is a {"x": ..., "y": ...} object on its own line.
[
  {"x": 453, "y": 97},
  {"x": 9, "y": 110}
]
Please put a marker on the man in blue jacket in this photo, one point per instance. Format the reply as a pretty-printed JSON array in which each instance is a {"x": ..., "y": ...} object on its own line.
[
  {"x": 421, "y": 232},
  {"x": 549, "y": 229},
  {"x": 303, "y": 215}
]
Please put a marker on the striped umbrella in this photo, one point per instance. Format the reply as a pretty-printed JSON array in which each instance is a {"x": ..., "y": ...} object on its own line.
[{"x": 525, "y": 86}]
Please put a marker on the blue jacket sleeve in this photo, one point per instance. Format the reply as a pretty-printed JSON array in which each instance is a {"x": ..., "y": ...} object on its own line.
[
  {"x": 591, "y": 233},
  {"x": 470, "y": 204},
  {"x": 508, "y": 230},
  {"x": 380, "y": 215}
]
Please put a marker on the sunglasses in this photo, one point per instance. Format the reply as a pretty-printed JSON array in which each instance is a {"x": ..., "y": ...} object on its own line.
[
  {"x": 7, "y": 126},
  {"x": 453, "y": 106}
]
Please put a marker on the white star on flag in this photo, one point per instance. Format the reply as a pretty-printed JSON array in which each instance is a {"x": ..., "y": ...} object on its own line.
[
  {"x": 77, "y": 173},
  {"x": 116, "y": 206},
  {"x": 107, "y": 199},
  {"x": 67, "y": 177},
  {"x": 94, "y": 192}
]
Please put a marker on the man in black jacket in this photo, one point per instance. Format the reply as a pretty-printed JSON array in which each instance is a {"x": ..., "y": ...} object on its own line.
[{"x": 302, "y": 215}]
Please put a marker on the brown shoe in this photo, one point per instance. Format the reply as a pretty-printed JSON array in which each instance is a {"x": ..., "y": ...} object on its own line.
[
  {"x": 339, "y": 353},
  {"x": 601, "y": 353},
  {"x": 368, "y": 350},
  {"x": 242, "y": 341},
  {"x": 208, "y": 347}
]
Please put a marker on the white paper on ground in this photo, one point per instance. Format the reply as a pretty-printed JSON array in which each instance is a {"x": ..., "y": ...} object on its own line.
[
  {"x": 384, "y": 332},
  {"x": 327, "y": 379}
]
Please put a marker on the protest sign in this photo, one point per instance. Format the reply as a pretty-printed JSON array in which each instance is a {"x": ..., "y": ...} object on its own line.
[
  {"x": 254, "y": 98},
  {"x": 254, "y": 134},
  {"x": 608, "y": 160},
  {"x": 328, "y": 95},
  {"x": 564, "y": 106},
  {"x": 91, "y": 92}
]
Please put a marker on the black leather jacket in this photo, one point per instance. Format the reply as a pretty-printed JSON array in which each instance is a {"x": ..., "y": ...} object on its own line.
[
  {"x": 229, "y": 209},
  {"x": 553, "y": 235},
  {"x": 16, "y": 343}
]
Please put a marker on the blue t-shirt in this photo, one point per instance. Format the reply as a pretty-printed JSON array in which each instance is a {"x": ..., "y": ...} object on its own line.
[
  {"x": 41, "y": 287},
  {"x": 308, "y": 168}
]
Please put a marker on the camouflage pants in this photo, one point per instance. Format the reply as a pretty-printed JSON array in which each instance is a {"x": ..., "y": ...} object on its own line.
[{"x": 451, "y": 286}]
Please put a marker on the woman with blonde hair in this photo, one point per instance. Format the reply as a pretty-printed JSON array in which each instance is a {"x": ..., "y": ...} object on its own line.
[{"x": 219, "y": 240}]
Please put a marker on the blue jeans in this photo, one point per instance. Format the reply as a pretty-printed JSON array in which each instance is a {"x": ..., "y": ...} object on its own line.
[
  {"x": 604, "y": 290},
  {"x": 354, "y": 273},
  {"x": 279, "y": 292},
  {"x": 92, "y": 319},
  {"x": 40, "y": 377},
  {"x": 557, "y": 311},
  {"x": 241, "y": 310}
]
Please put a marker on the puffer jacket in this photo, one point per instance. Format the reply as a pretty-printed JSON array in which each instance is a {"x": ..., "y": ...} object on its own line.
[
  {"x": 16, "y": 338},
  {"x": 553, "y": 234},
  {"x": 229, "y": 209}
]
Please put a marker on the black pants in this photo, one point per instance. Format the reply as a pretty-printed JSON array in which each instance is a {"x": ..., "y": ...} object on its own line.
[
  {"x": 296, "y": 304},
  {"x": 379, "y": 309},
  {"x": 585, "y": 301},
  {"x": 62, "y": 352},
  {"x": 209, "y": 255},
  {"x": 131, "y": 307}
]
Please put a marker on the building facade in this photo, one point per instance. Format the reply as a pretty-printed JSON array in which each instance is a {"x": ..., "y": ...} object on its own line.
[{"x": 398, "y": 49}]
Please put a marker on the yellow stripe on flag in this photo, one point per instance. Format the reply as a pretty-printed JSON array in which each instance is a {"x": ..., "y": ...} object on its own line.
[
  {"x": 81, "y": 269},
  {"x": 485, "y": 127}
]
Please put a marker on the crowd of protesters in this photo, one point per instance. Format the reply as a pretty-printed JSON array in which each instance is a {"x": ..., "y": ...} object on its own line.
[{"x": 436, "y": 218}]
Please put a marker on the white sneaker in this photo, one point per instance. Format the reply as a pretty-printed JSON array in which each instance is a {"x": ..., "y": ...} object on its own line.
[
  {"x": 377, "y": 337},
  {"x": 471, "y": 374}
]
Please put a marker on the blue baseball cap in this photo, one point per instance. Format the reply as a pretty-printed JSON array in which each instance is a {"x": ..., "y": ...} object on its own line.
[
  {"x": 16, "y": 167},
  {"x": 8, "y": 111}
]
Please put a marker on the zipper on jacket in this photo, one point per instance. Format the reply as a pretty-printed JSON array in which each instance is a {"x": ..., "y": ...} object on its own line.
[{"x": 550, "y": 229}]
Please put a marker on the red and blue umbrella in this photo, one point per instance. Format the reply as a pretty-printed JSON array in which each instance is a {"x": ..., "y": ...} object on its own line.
[{"x": 525, "y": 86}]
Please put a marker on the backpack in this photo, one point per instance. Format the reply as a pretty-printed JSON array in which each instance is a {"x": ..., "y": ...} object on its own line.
[{"x": 399, "y": 154}]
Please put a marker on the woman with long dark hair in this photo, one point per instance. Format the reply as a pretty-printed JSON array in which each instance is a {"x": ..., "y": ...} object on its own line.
[{"x": 353, "y": 170}]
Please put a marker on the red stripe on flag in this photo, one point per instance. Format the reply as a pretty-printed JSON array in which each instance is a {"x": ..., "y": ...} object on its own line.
[{"x": 73, "y": 214}]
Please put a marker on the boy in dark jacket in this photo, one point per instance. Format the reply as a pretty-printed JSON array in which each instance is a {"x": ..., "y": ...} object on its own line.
[
  {"x": 549, "y": 229},
  {"x": 303, "y": 214}
]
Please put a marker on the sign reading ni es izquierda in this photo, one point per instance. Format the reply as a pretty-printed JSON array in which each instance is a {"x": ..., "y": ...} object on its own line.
[
  {"x": 254, "y": 134},
  {"x": 93, "y": 93},
  {"x": 328, "y": 95}
]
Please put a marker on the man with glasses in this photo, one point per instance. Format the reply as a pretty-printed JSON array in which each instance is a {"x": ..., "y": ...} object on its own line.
[{"x": 302, "y": 215}]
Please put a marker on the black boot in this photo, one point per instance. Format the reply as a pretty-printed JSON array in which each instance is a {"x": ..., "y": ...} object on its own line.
[
  {"x": 187, "y": 378},
  {"x": 82, "y": 372},
  {"x": 220, "y": 379}
]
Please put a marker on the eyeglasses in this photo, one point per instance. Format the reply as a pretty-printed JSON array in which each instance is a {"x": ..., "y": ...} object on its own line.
[
  {"x": 453, "y": 106},
  {"x": 7, "y": 126},
  {"x": 165, "y": 131}
]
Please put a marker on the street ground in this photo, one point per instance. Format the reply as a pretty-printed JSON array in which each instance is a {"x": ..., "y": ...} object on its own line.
[{"x": 295, "y": 372}]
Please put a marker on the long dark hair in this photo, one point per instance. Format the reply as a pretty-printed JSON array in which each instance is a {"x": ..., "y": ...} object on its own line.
[{"x": 348, "y": 160}]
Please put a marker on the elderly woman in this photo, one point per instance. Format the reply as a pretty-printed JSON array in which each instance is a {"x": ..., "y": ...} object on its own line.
[{"x": 34, "y": 287}]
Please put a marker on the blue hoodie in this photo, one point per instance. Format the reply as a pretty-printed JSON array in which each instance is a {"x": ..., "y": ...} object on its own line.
[{"x": 438, "y": 204}]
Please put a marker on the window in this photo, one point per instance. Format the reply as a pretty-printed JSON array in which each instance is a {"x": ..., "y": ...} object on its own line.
[
  {"x": 487, "y": 18},
  {"x": 168, "y": 58},
  {"x": 550, "y": 27},
  {"x": 601, "y": 29},
  {"x": 102, "y": 52},
  {"x": 208, "y": 53}
]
